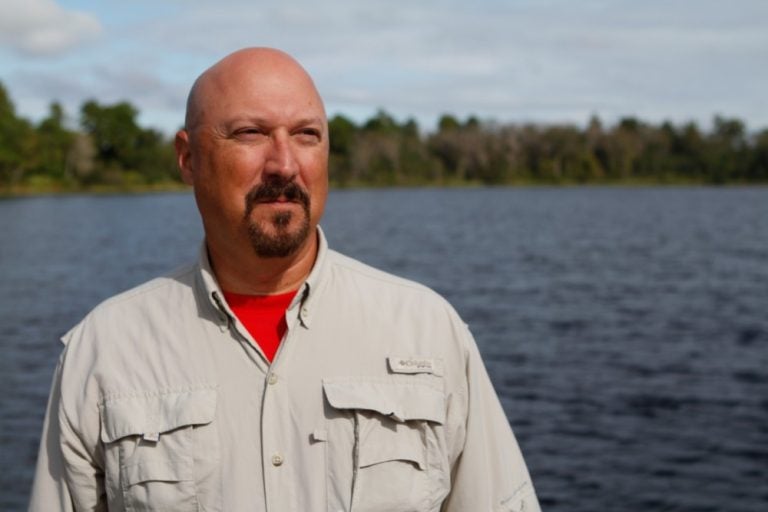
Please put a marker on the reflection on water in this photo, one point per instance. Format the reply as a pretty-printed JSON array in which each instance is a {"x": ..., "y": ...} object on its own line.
[{"x": 625, "y": 329}]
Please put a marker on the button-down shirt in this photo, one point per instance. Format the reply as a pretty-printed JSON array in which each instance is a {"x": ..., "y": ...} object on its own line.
[{"x": 377, "y": 400}]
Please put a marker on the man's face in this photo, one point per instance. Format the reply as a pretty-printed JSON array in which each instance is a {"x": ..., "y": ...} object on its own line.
[{"x": 257, "y": 158}]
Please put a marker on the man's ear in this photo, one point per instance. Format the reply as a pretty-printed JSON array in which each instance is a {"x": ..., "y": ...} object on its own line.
[{"x": 184, "y": 156}]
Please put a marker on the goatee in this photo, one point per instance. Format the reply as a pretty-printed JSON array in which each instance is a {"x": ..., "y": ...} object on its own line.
[{"x": 279, "y": 241}]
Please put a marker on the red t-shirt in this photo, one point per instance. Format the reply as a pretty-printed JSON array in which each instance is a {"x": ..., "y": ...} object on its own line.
[{"x": 263, "y": 316}]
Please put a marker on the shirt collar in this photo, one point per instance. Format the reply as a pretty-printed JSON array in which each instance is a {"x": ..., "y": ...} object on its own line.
[
  {"x": 308, "y": 293},
  {"x": 302, "y": 303}
]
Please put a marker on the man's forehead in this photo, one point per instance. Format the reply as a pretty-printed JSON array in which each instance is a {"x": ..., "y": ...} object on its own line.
[{"x": 265, "y": 105}]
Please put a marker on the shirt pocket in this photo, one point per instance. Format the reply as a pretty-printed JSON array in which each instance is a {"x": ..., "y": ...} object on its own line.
[
  {"x": 390, "y": 428},
  {"x": 161, "y": 449}
]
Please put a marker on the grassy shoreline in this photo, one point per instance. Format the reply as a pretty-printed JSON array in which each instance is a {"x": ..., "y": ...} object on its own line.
[
  {"x": 64, "y": 190},
  {"x": 20, "y": 191}
]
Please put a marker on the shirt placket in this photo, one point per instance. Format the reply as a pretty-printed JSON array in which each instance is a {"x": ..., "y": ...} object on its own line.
[{"x": 278, "y": 453}]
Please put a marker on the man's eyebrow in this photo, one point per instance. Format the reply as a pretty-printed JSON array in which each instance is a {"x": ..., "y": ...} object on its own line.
[{"x": 309, "y": 121}]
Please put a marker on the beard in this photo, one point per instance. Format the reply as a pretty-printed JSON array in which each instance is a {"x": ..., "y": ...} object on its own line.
[{"x": 274, "y": 237}]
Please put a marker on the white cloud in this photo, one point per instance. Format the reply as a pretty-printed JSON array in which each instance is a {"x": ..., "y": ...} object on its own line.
[
  {"x": 521, "y": 60},
  {"x": 43, "y": 28}
]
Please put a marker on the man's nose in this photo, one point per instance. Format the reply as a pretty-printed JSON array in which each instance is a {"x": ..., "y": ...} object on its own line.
[{"x": 281, "y": 158}]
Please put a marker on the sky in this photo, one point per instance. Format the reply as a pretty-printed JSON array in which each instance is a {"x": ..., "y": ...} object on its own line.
[{"x": 509, "y": 61}]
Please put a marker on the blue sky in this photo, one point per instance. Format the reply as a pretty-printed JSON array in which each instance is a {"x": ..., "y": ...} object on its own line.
[{"x": 511, "y": 61}]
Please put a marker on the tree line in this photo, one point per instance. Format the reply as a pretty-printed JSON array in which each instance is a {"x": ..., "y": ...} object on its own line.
[
  {"x": 108, "y": 148},
  {"x": 384, "y": 152}
]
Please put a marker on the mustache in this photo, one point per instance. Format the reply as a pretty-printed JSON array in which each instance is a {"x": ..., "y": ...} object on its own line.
[{"x": 273, "y": 189}]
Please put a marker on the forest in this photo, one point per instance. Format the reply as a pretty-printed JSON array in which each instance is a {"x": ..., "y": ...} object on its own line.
[{"x": 106, "y": 149}]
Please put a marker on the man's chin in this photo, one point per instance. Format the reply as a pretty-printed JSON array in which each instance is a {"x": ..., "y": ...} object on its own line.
[{"x": 278, "y": 241}]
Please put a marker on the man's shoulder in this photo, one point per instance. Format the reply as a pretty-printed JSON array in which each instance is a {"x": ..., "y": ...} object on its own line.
[
  {"x": 372, "y": 276},
  {"x": 393, "y": 313},
  {"x": 155, "y": 289},
  {"x": 380, "y": 286},
  {"x": 151, "y": 296}
]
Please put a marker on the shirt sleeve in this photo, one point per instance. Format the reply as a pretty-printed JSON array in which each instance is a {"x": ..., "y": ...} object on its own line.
[
  {"x": 489, "y": 473},
  {"x": 49, "y": 491},
  {"x": 67, "y": 477}
]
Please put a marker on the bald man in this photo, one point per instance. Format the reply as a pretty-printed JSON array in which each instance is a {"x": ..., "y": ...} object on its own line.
[{"x": 274, "y": 374}]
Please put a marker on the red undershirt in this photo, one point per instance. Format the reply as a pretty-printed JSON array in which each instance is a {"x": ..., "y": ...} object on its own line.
[{"x": 263, "y": 316}]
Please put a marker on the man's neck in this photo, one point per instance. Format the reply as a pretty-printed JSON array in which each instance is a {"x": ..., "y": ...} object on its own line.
[{"x": 250, "y": 274}]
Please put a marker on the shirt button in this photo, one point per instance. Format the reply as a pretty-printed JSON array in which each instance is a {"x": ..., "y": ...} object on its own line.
[
  {"x": 272, "y": 378},
  {"x": 277, "y": 460},
  {"x": 305, "y": 311}
]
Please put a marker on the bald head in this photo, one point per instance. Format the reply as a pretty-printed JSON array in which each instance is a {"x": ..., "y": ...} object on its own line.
[{"x": 246, "y": 69}]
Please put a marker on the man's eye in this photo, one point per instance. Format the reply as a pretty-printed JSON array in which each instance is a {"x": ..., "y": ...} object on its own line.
[
  {"x": 309, "y": 135},
  {"x": 248, "y": 132}
]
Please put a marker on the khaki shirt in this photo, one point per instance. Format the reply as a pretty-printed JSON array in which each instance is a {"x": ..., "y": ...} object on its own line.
[{"x": 377, "y": 400}]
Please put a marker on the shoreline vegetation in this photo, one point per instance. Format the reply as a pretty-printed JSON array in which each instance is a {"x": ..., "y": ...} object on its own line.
[
  {"x": 107, "y": 152},
  {"x": 174, "y": 187}
]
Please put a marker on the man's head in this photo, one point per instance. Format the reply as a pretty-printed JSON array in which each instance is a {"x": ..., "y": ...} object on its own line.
[{"x": 255, "y": 149}]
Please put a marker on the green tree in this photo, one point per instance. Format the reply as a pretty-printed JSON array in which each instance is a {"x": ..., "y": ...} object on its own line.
[
  {"x": 382, "y": 123},
  {"x": 125, "y": 152},
  {"x": 565, "y": 155},
  {"x": 416, "y": 165},
  {"x": 456, "y": 149},
  {"x": 115, "y": 134},
  {"x": 727, "y": 155},
  {"x": 155, "y": 157},
  {"x": 447, "y": 123},
  {"x": 342, "y": 133},
  {"x": 54, "y": 143},
  {"x": 689, "y": 150},
  {"x": 758, "y": 165},
  {"x": 624, "y": 145},
  {"x": 16, "y": 142}
]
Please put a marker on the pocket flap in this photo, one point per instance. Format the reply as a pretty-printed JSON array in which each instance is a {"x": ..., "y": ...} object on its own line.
[
  {"x": 402, "y": 399},
  {"x": 172, "y": 470},
  {"x": 394, "y": 442},
  {"x": 155, "y": 413}
]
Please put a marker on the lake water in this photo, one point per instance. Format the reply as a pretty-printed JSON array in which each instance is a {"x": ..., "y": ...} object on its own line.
[{"x": 626, "y": 330}]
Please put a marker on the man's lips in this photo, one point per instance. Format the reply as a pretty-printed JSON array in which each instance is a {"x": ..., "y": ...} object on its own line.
[{"x": 276, "y": 200}]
